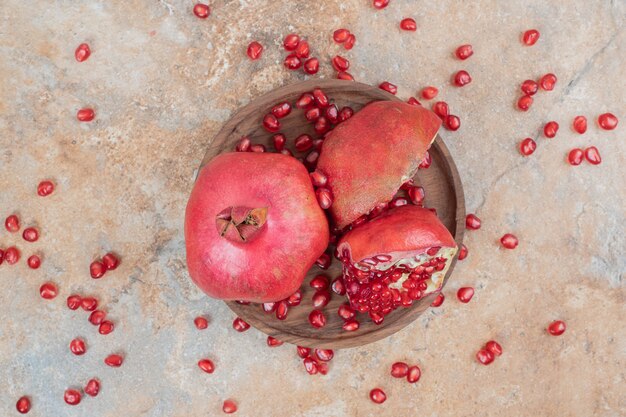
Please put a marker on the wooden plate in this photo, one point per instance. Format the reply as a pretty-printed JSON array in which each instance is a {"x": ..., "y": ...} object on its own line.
[{"x": 443, "y": 189}]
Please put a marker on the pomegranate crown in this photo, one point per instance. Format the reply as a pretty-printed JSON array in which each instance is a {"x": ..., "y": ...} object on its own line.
[{"x": 240, "y": 224}]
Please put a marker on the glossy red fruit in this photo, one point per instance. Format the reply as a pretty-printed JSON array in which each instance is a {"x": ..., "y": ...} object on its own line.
[
  {"x": 378, "y": 396},
  {"x": 323, "y": 261},
  {"x": 48, "y": 291},
  {"x": 408, "y": 24},
  {"x": 580, "y": 124},
  {"x": 494, "y": 347},
  {"x": 320, "y": 97},
  {"x": 547, "y": 82},
  {"x": 463, "y": 252},
  {"x": 243, "y": 145},
  {"x": 462, "y": 78},
  {"x": 240, "y": 325},
  {"x": 11, "y": 255},
  {"x": 89, "y": 303},
  {"x": 340, "y": 63},
  {"x": 292, "y": 62},
  {"x": 85, "y": 115},
  {"x": 97, "y": 269},
  {"x": 30, "y": 234},
  {"x": 429, "y": 93},
  {"x": 351, "y": 325},
  {"x": 441, "y": 109},
  {"x": 324, "y": 197},
  {"x": 229, "y": 407},
  {"x": 206, "y": 365},
  {"x": 414, "y": 374},
  {"x": 509, "y": 241},
  {"x": 399, "y": 370},
  {"x": 271, "y": 123},
  {"x": 345, "y": 113},
  {"x": 77, "y": 346},
  {"x": 472, "y": 222},
  {"x": 346, "y": 312},
  {"x": 279, "y": 141},
  {"x": 527, "y": 147},
  {"x": 106, "y": 327},
  {"x": 413, "y": 101},
  {"x": 529, "y": 87},
  {"x": 318, "y": 179},
  {"x": 12, "y": 223},
  {"x": 258, "y": 148},
  {"x": 438, "y": 301},
  {"x": 416, "y": 195},
  {"x": 321, "y": 125},
  {"x": 303, "y": 143},
  {"x": 291, "y": 41},
  {"x": 294, "y": 299},
  {"x": 45, "y": 188},
  {"x": 524, "y": 103},
  {"x": 282, "y": 309},
  {"x": 73, "y": 302},
  {"x": 464, "y": 51},
  {"x": 321, "y": 299},
  {"x": 82, "y": 52},
  {"x": 341, "y": 35},
  {"x": 72, "y": 396},
  {"x": 324, "y": 355},
  {"x": 349, "y": 43},
  {"x": 311, "y": 365},
  {"x": 550, "y": 129},
  {"x": 34, "y": 262},
  {"x": 311, "y": 66},
  {"x": 592, "y": 155},
  {"x": 465, "y": 294},
  {"x": 380, "y": 4},
  {"x": 23, "y": 405},
  {"x": 311, "y": 115},
  {"x": 338, "y": 286},
  {"x": 530, "y": 37},
  {"x": 607, "y": 121},
  {"x": 452, "y": 122},
  {"x": 273, "y": 342},
  {"x": 110, "y": 261},
  {"x": 302, "y": 351},
  {"x": 317, "y": 319},
  {"x": 201, "y": 323},
  {"x": 484, "y": 356},
  {"x": 201, "y": 10},
  {"x": 302, "y": 50},
  {"x": 575, "y": 156},
  {"x": 387, "y": 86},
  {"x": 92, "y": 388},
  {"x": 97, "y": 317},
  {"x": 557, "y": 328},
  {"x": 281, "y": 110},
  {"x": 319, "y": 282},
  {"x": 254, "y": 51}
]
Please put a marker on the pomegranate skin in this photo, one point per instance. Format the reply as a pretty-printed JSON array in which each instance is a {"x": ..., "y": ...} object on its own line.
[
  {"x": 270, "y": 264},
  {"x": 390, "y": 139}
]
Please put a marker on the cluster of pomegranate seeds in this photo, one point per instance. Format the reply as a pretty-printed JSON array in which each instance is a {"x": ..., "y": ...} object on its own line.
[
  {"x": 464, "y": 51},
  {"x": 472, "y": 222},
  {"x": 254, "y": 51},
  {"x": 98, "y": 268},
  {"x": 82, "y": 52},
  {"x": 529, "y": 88},
  {"x": 509, "y": 241},
  {"x": 45, "y": 188},
  {"x": 229, "y": 407},
  {"x": 462, "y": 78},
  {"x": 240, "y": 325},
  {"x": 465, "y": 294},
  {"x": 527, "y": 147},
  {"x": 378, "y": 396},
  {"x": 430, "y": 92},
  {"x": 402, "y": 370},
  {"x": 530, "y": 37},
  {"x": 607, "y": 121},
  {"x": 85, "y": 115},
  {"x": 315, "y": 361},
  {"x": 201, "y": 10},
  {"x": 408, "y": 24},
  {"x": 488, "y": 353},
  {"x": 556, "y": 328}
]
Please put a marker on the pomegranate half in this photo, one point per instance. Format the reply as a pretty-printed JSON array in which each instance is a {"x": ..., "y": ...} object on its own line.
[
  {"x": 395, "y": 259},
  {"x": 253, "y": 227},
  {"x": 369, "y": 156}
]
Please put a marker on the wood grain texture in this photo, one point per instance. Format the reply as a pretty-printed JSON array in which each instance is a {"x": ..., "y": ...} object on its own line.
[{"x": 441, "y": 182}]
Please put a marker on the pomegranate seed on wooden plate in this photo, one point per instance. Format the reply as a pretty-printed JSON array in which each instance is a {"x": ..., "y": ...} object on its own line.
[
  {"x": 463, "y": 252},
  {"x": 201, "y": 10},
  {"x": 607, "y": 121},
  {"x": 281, "y": 110},
  {"x": 530, "y": 37},
  {"x": 324, "y": 260},
  {"x": 72, "y": 396},
  {"x": 527, "y": 147},
  {"x": 464, "y": 51},
  {"x": 82, "y": 52},
  {"x": 465, "y": 294},
  {"x": 254, "y": 51},
  {"x": 282, "y": 308},
  {"x": 206, "y": 365},
  {"x": 378, "y": 396},
  {"x": 592, "y": 155},
  {"x": 317, "y": 319},
  {"x": 279, "y": 141},
  {"x": 509, "y": 241},
  {"x": 243, "y": 145},
  {"x": 524, "y": 103},
  {"x": 408, "y": 24},
  {"x": 550, "y": 129},
  {"x": 229, "y": 407},
  {"x": 85, "y": 115},
  {"x": 580, "y": 124},
  {"x": 484, "y": 356},
  {"x": 48, "y": 290},
  {"x": 472, "y": 222},
  {"x": 462, "y": 78},
  {"x": 429, "y": 92},
  {"x": 319, "y": 282},
  {"x": 547, "y": 82},
  {"x": 271, "y": 123},
  {"x": 557, "y": 328}
]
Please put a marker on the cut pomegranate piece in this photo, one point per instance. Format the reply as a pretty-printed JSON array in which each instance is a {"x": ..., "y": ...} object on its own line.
[
  {"x": 607, "y": 121},
  {"x": 527, "y": 147},
  {"x": 351, "y": 325},
  {"x": 494, "y": 347},
  {"x": 395, "y": 259},
  {"x": 575, "y": 156},
  {"x": 201, "y": 10},
  {"x": 530, "y": 37},
  {"x": 465, "y": 294},
  {"x": 484, "y": 356},
  {"x": 229, "y": 407},
  {"x": 254, "y": 51},
  {"x": 557, "y": 328},
  {"x": 408, "y": 24},
  {"x": 509, "y": 241},
  {"x": 378, "y": 396},
  {"x": 464, "y": 51},
  {"x": 580, "y": 124},
  {"x": 399, "y": 370},
  {"x": 592, "y": 155}
]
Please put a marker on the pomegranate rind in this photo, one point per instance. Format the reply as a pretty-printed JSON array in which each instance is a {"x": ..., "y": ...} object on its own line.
[{"x": 369, "y": 156}]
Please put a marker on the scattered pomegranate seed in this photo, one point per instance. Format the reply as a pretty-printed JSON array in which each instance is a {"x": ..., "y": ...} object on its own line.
[
  {"x": 97, "y": 269},
  {"x": 23, "y": 405},
  {"x": 607, "y": 121},
  {"x": 380, "y": 4},
  {"x": 325, "y": 355},
  {"x": 413, "y": 101},
  {"x": 530, "y": 37},
  {"x": 291, "y": 41},
  {"x": 429, "y": 92},
  {"x": 465, "y": 294},
  {"x": 351, "y": 325},
  {"x": 580, "y": 124},
  {"x": 201, "y": 323},
  {"x": 322, "y": 367},
  {"x": 527, "y": 147},
  {"x": 417, "y": 195},
  {"x": 310, "y": 365},
  {"x": 340, "y": 63},
  {"x": 281, "y": 310},
  {"x": 426, "y": 162},
  {"x": 464, "y": 51},
  {"x": 319, "y": 282},
  {"x": 484, "y": 356},
  {"x": 12, "y": 223},
  {"x": 85, "y": 115},
  {"x": 321, "y": 99},
  {"x": 106, "y": 327},
  {"x": 77, "y": 346},
  {"x": 441, "y": 109},
  {"x": 89, "y": 303},
  {"x": 524, "y": 103},
  {"x": 324, "y": 197},
  {"x": 321, "y": 299},
  {"x": 345, "y": 113},
  {"x": 550, "y": 129},
  {"x": 281, "y": 110},
  {"x": 110, "y": 261},
  {"x": 529, "y": 87},
  {"x": 240, "y": 325},
  {"x": 438, "y": 301},
  {"x": 408, "y": 24},
  {"x": 452, "y": 122},
  {"x": 462, "y": 78},
  {"x": 12, "y": 255},
  {"x": 323, "y": 261},
  {"x": 201, "y": 10},
  {"x": 303, "y": 50},
  {"x": 48, "y": 291},
  {"x": 82, "y": 52},
  {"x": 311, "y": 66},
  {"x": 556, "y": 328},
  {"x": 414, "y": 374},
  {"x": 45, "y": 188},
  {"x": 311, "y": 115},
  {"x": 97, "y": 317},
  {"x": 254, "y": 51},
  {"x": 73, "y": 302},
  {"x": 258, "y": 148},
  {"x": 378, "y": 396},
  {"x": 472, "y": 222},
  {"x": 34, "y": 262},
  {"x": 305, "y": 101},
  {"x": 463, "y": 252},
  {"x": 229, "y": 407},
  {"x": 279, "y": 141},
  {"x": 341, "y": 35},
  {"x": 273, "y": 342},
  {"x": 114, "y": 360},
  {"x": 271, "y": 123},
  {"x": 390, "y": 88},
  {"x": 346, "y": 312},
  {"x": 349, "y": 43},
  {"x": 399, "y": 370},
  {"x": 30, "y": 234},
  {"x": 72, "y": 396},
  {"x": 509, "y": 241},
  {"x": 338, "y": 286},
  {"x": 592, "y": 155},
  {"x": 302, "y": 351},
  {"x": 547, "y": 82},
  {"x": 243, "y": 145},
  {"x": 317, "y": 319},
  {"x": 93, "y": 387},
  {"x": 494, "y": 347},
  {"x": 206, "y": 365},
  {"x": 292, "y": 62}
]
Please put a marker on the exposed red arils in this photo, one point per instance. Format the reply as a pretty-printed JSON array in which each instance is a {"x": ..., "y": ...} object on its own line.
[
  {"x": 73, "y": 302},
  {"x": 45, "y": 188},
  {"x": 324, "y": 197},
  {"x": 472, "y": 222},
  {"x": 547, "y": 82},
  {"x": 387, "y": 86},
  {"x": 243, "y": 145},
  {"x": 206, "y": 365},
  {"x": 271, "y": 123},
  {"x": 321, "y": 125},
  {"x": 398, "y": 201},
  {"x": 321, "y": 99},
  {"x": 97, "y": 269},
  {"x": 318, "y": 179},
  {"x": 310, "y": 364},
  {"x": 592, "y": 155},
  {"x": 414, "y": 374},
  {"x": 338, "y": 286},
  {"x": 311, "y": 115},
  {"x": 281, "y": 110},
  {"x": 88, "y": 303},
  {"x": 310, "y": 161},
  {"x": 527, "y": 147},
  {"x": 110, "y": 261},
  {"x": 12, "y": 223},
  {"x": 464, "y": 51},
  {"x": 426, "y": 162},
  {"x": 317, "y": 319},
  {"x": 85, "y": 115},
  {"x": 509, "y": 241},
  {"x": 325, "y": 355},
  {"x": 302, "y": 351},
  {"x": 82, "y": 52},
  {"x": 77, "y": 346},
  {"x": 340, "y": 63},
  {"x": 319, "y": 282},
  {"x": 273, "y": 342},
  {"x": 575, "y": 156},
  {"x": 254, "y": 51},
  {"x": 323, "y": 261},
  {"x": 322, "y": 367},
  {"x": 201, "y": 10},
  {"x": 72, "y": 396},
  {"x": 408, "y": 24},
  {"x": 416, "y": 195},
  {"x": 258, "y": 148},
  {"x": 463, "y": 252},
  {"x": 530, "y": 37},
  {"x": 465, "y": 294},
  {"x": 303, "y": 50},
  {"x": 48, "y": 291},
  {"x": 291, "y": 41},
  {"x": 34, "y": 261},
  {"x": 11, "y": 255},
  {"x": 429, "y": 92},
  {"x": 311, "y": 66},
  {"x": 580, "y": 124},
  {"x": 269, "y": 307},
  {"x": 106, "y": 327},
  {"x": 279, "y": 141},
  {"x": 413, "y": 101},
  {"x": 529, "y": 87},
  {"x": 462, "y": 78},
  {"x": 294, "y": 299},
  {"x": 343, "y": 75},
  {"x": 380, "y": 4},
  {"x": 550, "y": 129},
  {"x": 494, "y": 347},
  {"x": 321, "y": 298},
  {"x": 30, "y": 234},
  {"x": 438, "y": 301},
  {"x": 92, "y": 388},
  {"x": 607, "y": 121},
  {"x": 557, "y": 328},
  {"x": 97, "y": 317},
  {"x": 349, "y": 43},
  {"x": 452, "y": 122},
  {"x": 484, "y": 356},
  {"x": 23, "y": 405},
  {"x": 351, "y": 325},
  {"x": 282, "y": 308},
  {"x": 240, "y": 325},
  {"x": 524, "y": 103},
  {"x": 346, "y": 312},
  {"x": 441, "y": 109},
  {"x": 341, "y": 35},
  {"x": 229, "y": 407},
  {"x": 345, "y": 113},
  {"x": 378, "y": 396},
  {"x": 399, "y": 370},
  {"x": 292, "y": 62}
]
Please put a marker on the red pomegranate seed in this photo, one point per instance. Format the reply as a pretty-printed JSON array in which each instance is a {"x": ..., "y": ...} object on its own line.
[
  {"x": 114, "y": 360},
  {"x": 229, "y": 407},
  {"x": 273, "y": 342},
  {"x": 110, "y": 261},
  {"x": 346, "y": 312},
  {"x": 201, "y": 10},
  {"x": 257, "y": 148},
  {"x": 398, "y": 201},
  {"x": 319, "y": 282},
  {"x": 269, "y": 307},
  {"x": 387, "y": 86},
  {"x": 77, "y": 346},
  {"x": 380, "y": 4},
  {"x": 97, "y": 269},
  {"x": 12, "y": 223},
  {"x": 465, "y": 294},
  {"x": 592, "y": 155},
  {"x": 408, "y": 24},
  {"x": 48, "y": 291},
  {"x": 547, "y": 82},
  {"x": 494, "y": 347},
  {"x": 201, "y": 323},
  {"x": 426, "y": 162},
  {"x": 550, "y": 129},
  {"x": 323, "y": 261},
  {"x": 472, "y": 222},
  {"x": 556, "y": 328},
  {"x": 311, "y": 66},
  {"x": 399, "y": 370},
  {"x": 484, "y": 356},
  {"x": 441, "y": 109},
  {"x": 349, "y": 43},
  {"x": 580, "y": 124},
  {"x": 303, "y": 50},
  {"x": 286, "y": 152},
  {"x": 417, "y": 195},
  {"x": 82, "y": 52},
  {"x": 281, "y": 110},
  {"x": 89, "y": 303},
  {"x": 318, "y": 179},
  {"x": 452, "y": 122},
  {"x": 524, "y": 103},
  {"x": 12, "y": 255},
  {"x": 351, "y": 325},
  {"x": 607, "y": 121},
  {"x": 438, "y": 301},
  {"x": 271, "y": 123},
  {"x": 93, "y": 387},
  {"x": 378, "y": 396},
  {"x": 529, "y": 87},
  {"x": 429, "y": 93},
  {"x": 345, "y": 113},
  {"x": 325, "y": 355},
  {"x": 30, "y": 234},
  {"x": 291, "y": 41},
  {"x": 324, "y": 197},
  {"x": 463, "y": 252},
  {"x": 509, "y": 241},
  {"x": 310, "y": 365},
  {"x": 338, "y": 286},
  {"x": 254, "y": 51},
  {"x": 106, "y": 327},
  {"x": 45, "y": 188},
  {"x": 302, "y": 351},
  {"x": 23, "y": 405},
  {"x": 321, "y": 299},
  {"x": 340, "y": 63},
  {"x": 346, "y": 76},
  {"x": 317, "y": 319},
  {"x": 304, "y": 143},
  {"x": 575, "y": 156},
  {"x": 282, "y": 308},
  {"x": 462, "y": 78},
  {"x": 527, "y": 147},
  {"x": 322, "y": 367},
  {"x": 243, "y": 145},
  {"x": 294, "y": 299},
  {"x": 413, "y": 101},
  {"x": 72, "y": 396},
  {"x": 240, "y": 325},
  {"x": 341, "y": 35},
  {"x": 464, "y": 51},
  {"x": 73, "y": 302},
  {"x": 85, "y": 115},
  {"x": 530, "y": 37},
  {"x": 97, "y": 317},
  {"x": 414, "y": 374},
  {"x": 206, "y": 365},
  {"x": 34, "y": 262},
  {"x": 292, "y": 62},
  {"x": 321, "y": 99},
  {"x": 312, "y": 115},
  {"x": 279, "y": 141}
]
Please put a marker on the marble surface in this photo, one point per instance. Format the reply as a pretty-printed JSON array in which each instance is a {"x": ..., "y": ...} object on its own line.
[{"x": 163, "y": 82}]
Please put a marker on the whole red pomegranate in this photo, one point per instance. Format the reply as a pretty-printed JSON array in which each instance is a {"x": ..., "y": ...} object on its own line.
[
  {"x": 253, "y": 227},
  {"x": 369, "y": 156},
  {"x": 395, "y": 259}
]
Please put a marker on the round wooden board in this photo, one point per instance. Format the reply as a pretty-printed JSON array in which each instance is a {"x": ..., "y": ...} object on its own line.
[{"x": 441, "y": 182}]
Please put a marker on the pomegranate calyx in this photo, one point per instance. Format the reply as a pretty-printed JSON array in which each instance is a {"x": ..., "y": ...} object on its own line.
[{"x": 240, "y": 224}]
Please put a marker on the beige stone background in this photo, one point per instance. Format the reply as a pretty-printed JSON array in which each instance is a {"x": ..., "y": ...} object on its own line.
[{"x": 163, "y": 82}]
